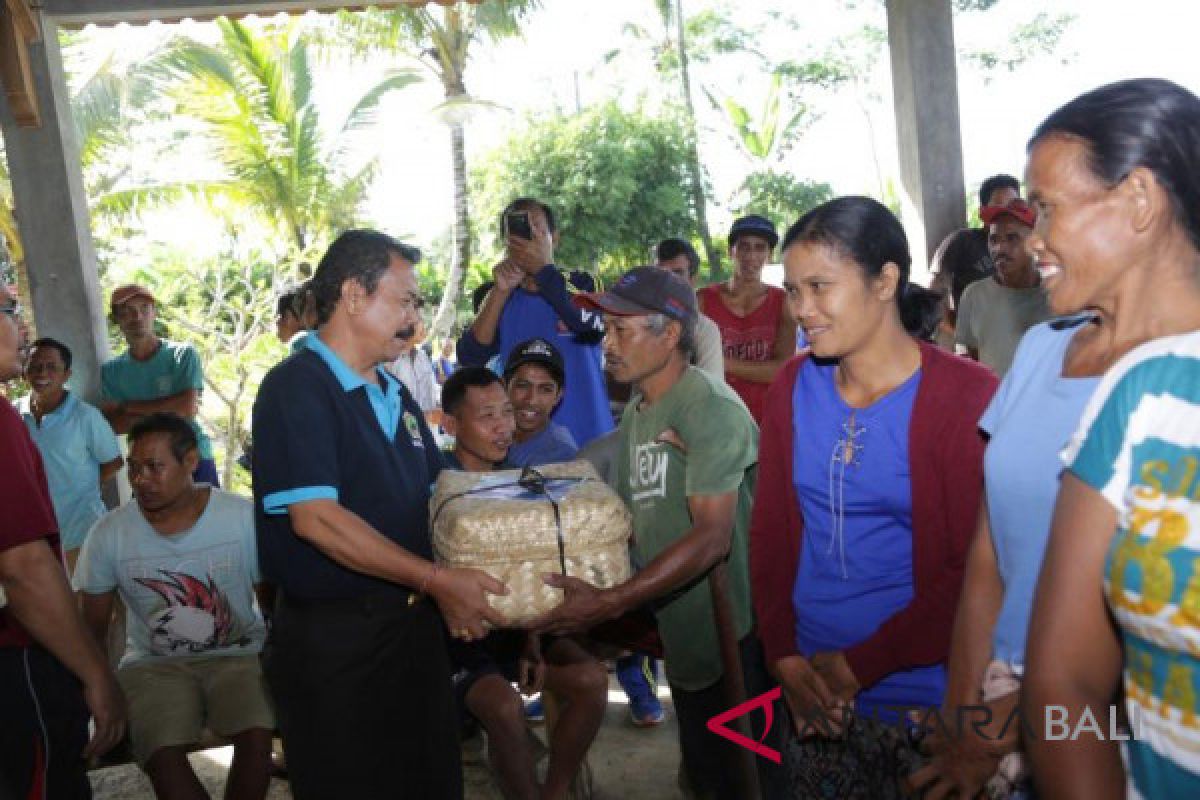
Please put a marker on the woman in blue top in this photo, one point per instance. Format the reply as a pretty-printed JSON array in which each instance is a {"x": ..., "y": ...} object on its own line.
[
  {"x": 1089, "y": 178},
  {"x": 1117, "y": 171},
  {"x": 866, "y": 498}
]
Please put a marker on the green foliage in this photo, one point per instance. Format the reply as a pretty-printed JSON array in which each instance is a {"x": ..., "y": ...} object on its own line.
[
  {"x": 431, "y": 278},
  {"x": 710, "y": 33},
  {"x": 113, "y": 102},
  {"x": 1038, "y": 38},
  {"x": 617, "y": 182},
  {"x": 251, "y": 96},
  {"x": 770, "y": 135},
  {"x": 10, "y": 242},
  {"x": 440, "y": 38},
  {"x": 779, "y": 197},
  {"x": 974, "y": 5},
  {"x": 848, "y": 59},
  {"x": 225, "y": 307}
]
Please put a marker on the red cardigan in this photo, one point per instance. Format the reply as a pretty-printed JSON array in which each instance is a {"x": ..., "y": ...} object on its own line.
[{"x": 946, "y": 467}]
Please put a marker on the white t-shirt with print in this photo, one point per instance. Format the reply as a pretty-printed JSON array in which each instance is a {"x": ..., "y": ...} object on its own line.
[
  {"x": 1138, "y": 444},
  {"x": 187, "y": 594}
]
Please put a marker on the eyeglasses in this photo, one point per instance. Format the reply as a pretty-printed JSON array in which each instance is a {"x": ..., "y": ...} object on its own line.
[
  {"x": 414, "y": 302},
  {"x": 11, "y": 308}
]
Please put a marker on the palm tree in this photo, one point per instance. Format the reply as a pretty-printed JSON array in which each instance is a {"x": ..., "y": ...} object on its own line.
[
  {"x": 672, "y": 10},
  {"x": 767, "y": 137},
  {"x": 673, "y": 57},
  {"x": 12, "y": 257},
  {"x": 251, "y": 99},
  {"x": 110, "y": 99},
  {"x": 440, "y": 38},
  {"x": 8, "y": 223}
]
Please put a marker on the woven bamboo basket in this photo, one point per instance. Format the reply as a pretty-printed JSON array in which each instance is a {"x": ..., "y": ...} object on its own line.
[{"x": 507, "y": 527}]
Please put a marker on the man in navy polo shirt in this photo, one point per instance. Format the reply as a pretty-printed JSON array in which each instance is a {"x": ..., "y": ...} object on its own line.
[
  {"x": 356, "y": 660},
  {"x": 531, "y": 299}
]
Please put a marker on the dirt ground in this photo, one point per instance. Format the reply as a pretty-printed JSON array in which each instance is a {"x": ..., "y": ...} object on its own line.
[{"x": 627, "y": 764}]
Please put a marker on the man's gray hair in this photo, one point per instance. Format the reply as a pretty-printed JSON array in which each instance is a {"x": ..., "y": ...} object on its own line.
[{"x": 657, "y": 324}]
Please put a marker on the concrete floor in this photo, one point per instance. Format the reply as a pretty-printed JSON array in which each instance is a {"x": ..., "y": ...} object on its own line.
[{"x": 627, "y": 764}]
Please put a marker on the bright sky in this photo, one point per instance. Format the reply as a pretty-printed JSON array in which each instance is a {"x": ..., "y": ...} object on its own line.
[{"x": 565, "y": 44}]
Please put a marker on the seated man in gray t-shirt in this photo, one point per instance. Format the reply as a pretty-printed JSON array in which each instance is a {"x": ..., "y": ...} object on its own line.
[{"x": 183, "y": 558}]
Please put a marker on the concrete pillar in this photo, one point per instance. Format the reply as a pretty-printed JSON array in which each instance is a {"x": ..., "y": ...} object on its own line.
[
  {"x": 925, "y": 87},
  {"x": 52, "y": 218}
]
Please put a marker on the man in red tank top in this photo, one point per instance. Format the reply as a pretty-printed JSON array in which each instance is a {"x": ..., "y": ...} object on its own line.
[{"x": 758, "y": 334}]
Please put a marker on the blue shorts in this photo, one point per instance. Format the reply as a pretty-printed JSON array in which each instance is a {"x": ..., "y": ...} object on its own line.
[{"x": 206, "y": 472}]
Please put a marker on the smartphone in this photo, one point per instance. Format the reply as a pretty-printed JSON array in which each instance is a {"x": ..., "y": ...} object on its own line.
[{"x": 516, "y": 223}]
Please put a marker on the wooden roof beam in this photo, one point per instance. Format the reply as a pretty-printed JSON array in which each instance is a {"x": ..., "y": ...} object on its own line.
[
  {"x": 77, "y": 13},
  {"x": 18, "y": 29}
]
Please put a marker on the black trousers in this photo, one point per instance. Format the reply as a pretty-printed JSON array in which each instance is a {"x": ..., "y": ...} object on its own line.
[
  {"x": 363, "y": 700},
  {"x": 711, "y": 761},
  {"x": 43, "y": 728}
]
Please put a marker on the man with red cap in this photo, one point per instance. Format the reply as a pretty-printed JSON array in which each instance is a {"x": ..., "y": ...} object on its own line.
[
  {"x": 995, "y": 312},
  {"x": 152, "y": 375},
  {"x": 686, "y": 464}
]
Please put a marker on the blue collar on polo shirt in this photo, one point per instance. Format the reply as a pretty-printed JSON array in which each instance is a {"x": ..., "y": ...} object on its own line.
[
  {"x": 384, "y": 397},
  {"x": 64, "y": 410}
]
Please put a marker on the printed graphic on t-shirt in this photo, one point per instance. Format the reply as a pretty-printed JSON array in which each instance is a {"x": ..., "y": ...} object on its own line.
[
  {"x": 648, "y": 476},
  {"x": 754, "y": 344},
  {"x": 1139, "y": 445},
  {"x": 186, "y": 610},
  {"x": 197, "y": 616}
]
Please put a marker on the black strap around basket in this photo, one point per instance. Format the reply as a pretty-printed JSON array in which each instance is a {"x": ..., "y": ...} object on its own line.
[{"x": 533, "y": 481}]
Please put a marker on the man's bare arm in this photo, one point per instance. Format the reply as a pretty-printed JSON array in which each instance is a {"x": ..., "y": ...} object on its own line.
[
  {"x": 42, "y": 601},
  {"x": 110, "y": 468},
  {"x": 1073, "y": 659},
  {"x": 686, "y": 560},
  {"x": 122, "y": 415},
  {"x": 765, "y": 371},
  {"x": 689, "y": 558},
  {"x": 97, "y": 612},
  {"x": 506, "y": 277}
]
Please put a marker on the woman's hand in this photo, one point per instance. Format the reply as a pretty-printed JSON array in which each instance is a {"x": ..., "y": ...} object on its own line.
[{"x": 814, "y": 706}]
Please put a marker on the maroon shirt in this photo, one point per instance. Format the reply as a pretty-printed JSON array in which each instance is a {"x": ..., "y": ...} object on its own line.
[
  {"x": 945, "y": 455},
  {"x": 26, "y": 513},
  {"x": 748, "y": 338}
]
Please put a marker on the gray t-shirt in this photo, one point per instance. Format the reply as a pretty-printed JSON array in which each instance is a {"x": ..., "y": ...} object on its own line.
[
  {"x": 993, "y": 318},
  {"x": 188, "y": 594},
  {"x": 710, "y": 356}
]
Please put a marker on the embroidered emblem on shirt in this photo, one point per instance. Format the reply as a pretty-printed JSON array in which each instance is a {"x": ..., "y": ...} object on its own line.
[{"x": 414, "y": 428}]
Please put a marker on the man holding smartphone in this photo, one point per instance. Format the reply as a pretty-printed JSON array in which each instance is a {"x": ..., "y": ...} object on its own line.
[{"x": 531, "y": 300}]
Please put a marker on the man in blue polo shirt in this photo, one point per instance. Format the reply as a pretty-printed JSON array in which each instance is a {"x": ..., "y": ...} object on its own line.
[
  {"x": 530, "y": 299},
  {"x": 78, "y": 446},
  {"x": 343, "y": 462}
]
